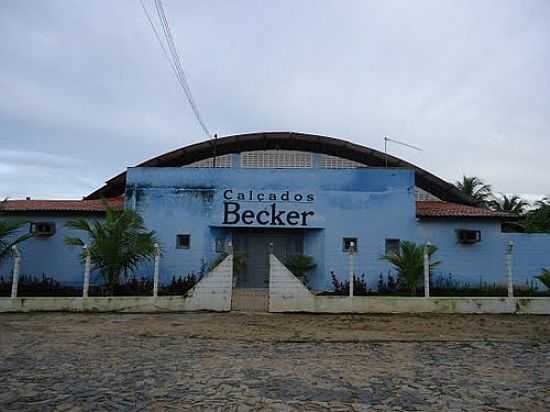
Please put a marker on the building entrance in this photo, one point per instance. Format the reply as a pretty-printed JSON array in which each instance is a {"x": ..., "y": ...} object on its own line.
[{"x": 251, "y": 248}]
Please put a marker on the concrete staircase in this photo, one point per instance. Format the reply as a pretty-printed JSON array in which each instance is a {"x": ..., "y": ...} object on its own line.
[{"x": 250, "y": 300}]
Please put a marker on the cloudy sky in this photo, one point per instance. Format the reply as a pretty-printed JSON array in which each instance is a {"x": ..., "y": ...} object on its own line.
[{"x": 85, "y": 90}]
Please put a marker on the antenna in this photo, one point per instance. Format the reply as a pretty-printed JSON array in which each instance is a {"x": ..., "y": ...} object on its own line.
[
  {"x": 215, "y": 150},
  {"x": 388, "y": 139}
]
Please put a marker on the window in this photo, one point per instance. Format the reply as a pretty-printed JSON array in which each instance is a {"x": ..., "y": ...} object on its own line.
[
  {"x": 43, "y": 229},
  {"x": 222, "y": 161},
  {"x": 335, "y": 162},
  {"x": 220, "y": 245},
  {"x": 423, "y": 196},
  {"x": 393, "y": 247},
  {"x": 468, "y": 237},
  {"x": 183, "y": 241},
  {"x": 273, "y": 159},
  {"x": 348, "y": 243}
]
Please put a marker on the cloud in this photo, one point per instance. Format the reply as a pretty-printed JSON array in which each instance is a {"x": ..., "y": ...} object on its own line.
[{"x": 466, "y": 81}]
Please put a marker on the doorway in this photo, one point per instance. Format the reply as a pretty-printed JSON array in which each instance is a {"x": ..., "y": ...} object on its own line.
[{"x": 251, "y": 248}]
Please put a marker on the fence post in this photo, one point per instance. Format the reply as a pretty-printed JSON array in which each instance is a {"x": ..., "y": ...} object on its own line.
[
  {"x": 16, "y": 270},
  {"x": 157, "y": 270},
  {"x": 509, "y": 263},
  {"x": 427, "y": 269},
  {"x": 351, "y": 268},
  {"x": 87, "y": 267}
]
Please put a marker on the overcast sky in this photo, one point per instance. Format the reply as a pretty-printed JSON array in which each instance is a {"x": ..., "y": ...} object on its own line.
[{"x": 85, "y": 90}]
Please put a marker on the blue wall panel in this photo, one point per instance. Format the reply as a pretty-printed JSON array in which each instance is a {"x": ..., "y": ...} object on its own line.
[{"x": 365, "y": 203}]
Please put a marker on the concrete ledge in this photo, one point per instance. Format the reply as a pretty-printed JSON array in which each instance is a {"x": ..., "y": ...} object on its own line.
[
  {"x": 128, "y": 304},
  {"x": 212, "y": 292},
  {"x": 391, "y": 304},
  {"x": 288, "y": 294}
]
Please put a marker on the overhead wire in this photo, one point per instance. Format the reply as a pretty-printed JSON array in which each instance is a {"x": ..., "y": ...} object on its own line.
[{"x": 171, "y": 53}]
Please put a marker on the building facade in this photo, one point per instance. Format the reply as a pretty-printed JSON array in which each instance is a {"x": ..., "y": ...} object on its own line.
[{"x": 296, "y": 195}]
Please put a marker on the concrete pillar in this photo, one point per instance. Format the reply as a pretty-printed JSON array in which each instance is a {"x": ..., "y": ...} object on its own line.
[
  {"x": 351, "y": 268},
  {"x": 156, "y": 274},
  {"x": 16, "y": 270},
  {"x": 509, "y": 262},
  {"x": 427, "y": 270},
  {"x": 87, "y": 268}
]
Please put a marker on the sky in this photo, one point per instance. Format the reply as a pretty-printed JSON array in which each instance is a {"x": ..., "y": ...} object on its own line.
[{"x": 85, "y": 90}]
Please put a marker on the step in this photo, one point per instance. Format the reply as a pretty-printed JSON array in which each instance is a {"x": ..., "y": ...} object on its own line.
[{"x": 250, "y": 300}]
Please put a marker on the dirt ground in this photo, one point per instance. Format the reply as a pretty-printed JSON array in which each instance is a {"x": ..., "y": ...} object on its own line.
[
  {"x": 276, "y": 362},
  {"x": 289, "y": 327}
]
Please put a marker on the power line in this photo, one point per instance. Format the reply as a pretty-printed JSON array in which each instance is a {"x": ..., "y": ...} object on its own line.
[
  {"x": 174, "y": 59},
  {"x": 158, "y": 38}
]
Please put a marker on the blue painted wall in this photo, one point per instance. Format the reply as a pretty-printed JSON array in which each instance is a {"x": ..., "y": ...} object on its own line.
[
  {"x": 49, "y": 255},
  {"x": 484, "y": 261},
  {"x": 369, "y": 204}
]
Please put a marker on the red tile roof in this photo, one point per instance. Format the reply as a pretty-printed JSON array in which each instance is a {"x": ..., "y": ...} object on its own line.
[
  {"x": 446, "y": 209},
  {"x": 423, "y": 208},
  {"x": 60, "y": 205}
]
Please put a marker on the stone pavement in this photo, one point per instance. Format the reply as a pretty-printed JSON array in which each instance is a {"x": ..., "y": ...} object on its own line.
[{"x": 64, "y": 362}]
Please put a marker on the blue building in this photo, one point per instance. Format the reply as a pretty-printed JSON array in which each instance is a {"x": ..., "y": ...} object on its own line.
[{"x": 302, "y": 194}]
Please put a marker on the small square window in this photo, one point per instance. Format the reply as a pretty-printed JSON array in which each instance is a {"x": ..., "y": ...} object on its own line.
[
  {"x": 468, "y": 236},
  {"x": 42, "y": 229},
  {"x": 348, "y": 243},
  {"x": 393, "y": 247},
  {"x": 183, "y": 241},
  {"x": 220, "y": 245}
]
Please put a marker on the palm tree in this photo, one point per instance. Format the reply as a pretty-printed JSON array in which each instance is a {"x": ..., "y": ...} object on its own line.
[
  {"x": 476, "y": 188},
  {"x": 510, "y": 204},
  {"x": 410, "y": 263},
  {"x": 538, "y": 220},
  {"x": 117, "y": 246},
  {"x": 545, "y": 201},
  {"x": 10, "y": 234},
  {"x": 544, "y": 278}
]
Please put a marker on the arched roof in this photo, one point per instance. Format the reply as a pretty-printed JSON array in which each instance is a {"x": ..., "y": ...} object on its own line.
[{"x": 288, "y": 141}]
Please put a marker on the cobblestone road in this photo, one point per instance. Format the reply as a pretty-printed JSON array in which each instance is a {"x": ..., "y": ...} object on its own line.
[{"x": 71, "y": 362}]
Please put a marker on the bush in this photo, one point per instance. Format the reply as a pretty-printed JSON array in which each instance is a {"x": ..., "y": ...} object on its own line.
[
  {"x": 32, "y": 286},
  {"x": 180, "y": 285},
  {"x": 342, "y": 287},
  {"x": 29, "y": 286}
]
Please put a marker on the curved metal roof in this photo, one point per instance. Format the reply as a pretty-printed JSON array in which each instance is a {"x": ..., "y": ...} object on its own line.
[{"x": 288, "y": 141}]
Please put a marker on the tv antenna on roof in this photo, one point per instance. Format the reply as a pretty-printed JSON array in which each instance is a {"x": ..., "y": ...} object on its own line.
[{"x": 389, "y": 139}]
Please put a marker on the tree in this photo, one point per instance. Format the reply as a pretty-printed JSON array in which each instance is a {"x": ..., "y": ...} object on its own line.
[
  {"x": 10, "y": 234},
  {"x": 410, "y": 263},
  {"x": 544, "y": 278},
  {"x": 474, "y": 187},
  {"x": 545, "y": 201},
  {"x": 538, "y": 220},
  {"x": 117, "y": 246},
  {"x": 511, "y": 204},
  {"x": 299, "y": 265}
]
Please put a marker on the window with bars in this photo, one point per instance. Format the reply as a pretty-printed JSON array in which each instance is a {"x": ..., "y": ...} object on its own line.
[
  {"x": 393, "y": 247},
  {"x": 335, "y": 162},
  {"x": 273, "y": 159},
  {"x": 423, "y": 196},
  {"x": 221, "y": 161}
]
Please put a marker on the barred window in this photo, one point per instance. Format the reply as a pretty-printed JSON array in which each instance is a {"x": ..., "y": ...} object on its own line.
[
  {"x": 335, "y": 162},
  {"x": 273, "y": 159},
  {"x": 423, "y": 196},
  {"x": 393, "y": 247},
  {"x": 221, "y": 161}
]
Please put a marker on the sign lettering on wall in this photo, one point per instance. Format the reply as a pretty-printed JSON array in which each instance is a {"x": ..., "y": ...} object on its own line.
[{"x": 267, "y": 208}]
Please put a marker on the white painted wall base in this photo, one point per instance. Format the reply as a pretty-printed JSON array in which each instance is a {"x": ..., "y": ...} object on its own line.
[
  {"x": 212, "y": 292},
  {"x": 288, "y": 294}
]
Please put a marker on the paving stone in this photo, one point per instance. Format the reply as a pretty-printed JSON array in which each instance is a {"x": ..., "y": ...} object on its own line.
[{"x": 117, "y": 371}]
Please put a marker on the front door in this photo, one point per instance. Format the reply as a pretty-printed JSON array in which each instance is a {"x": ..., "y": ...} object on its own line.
[{"x": 252, "y": 253}]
